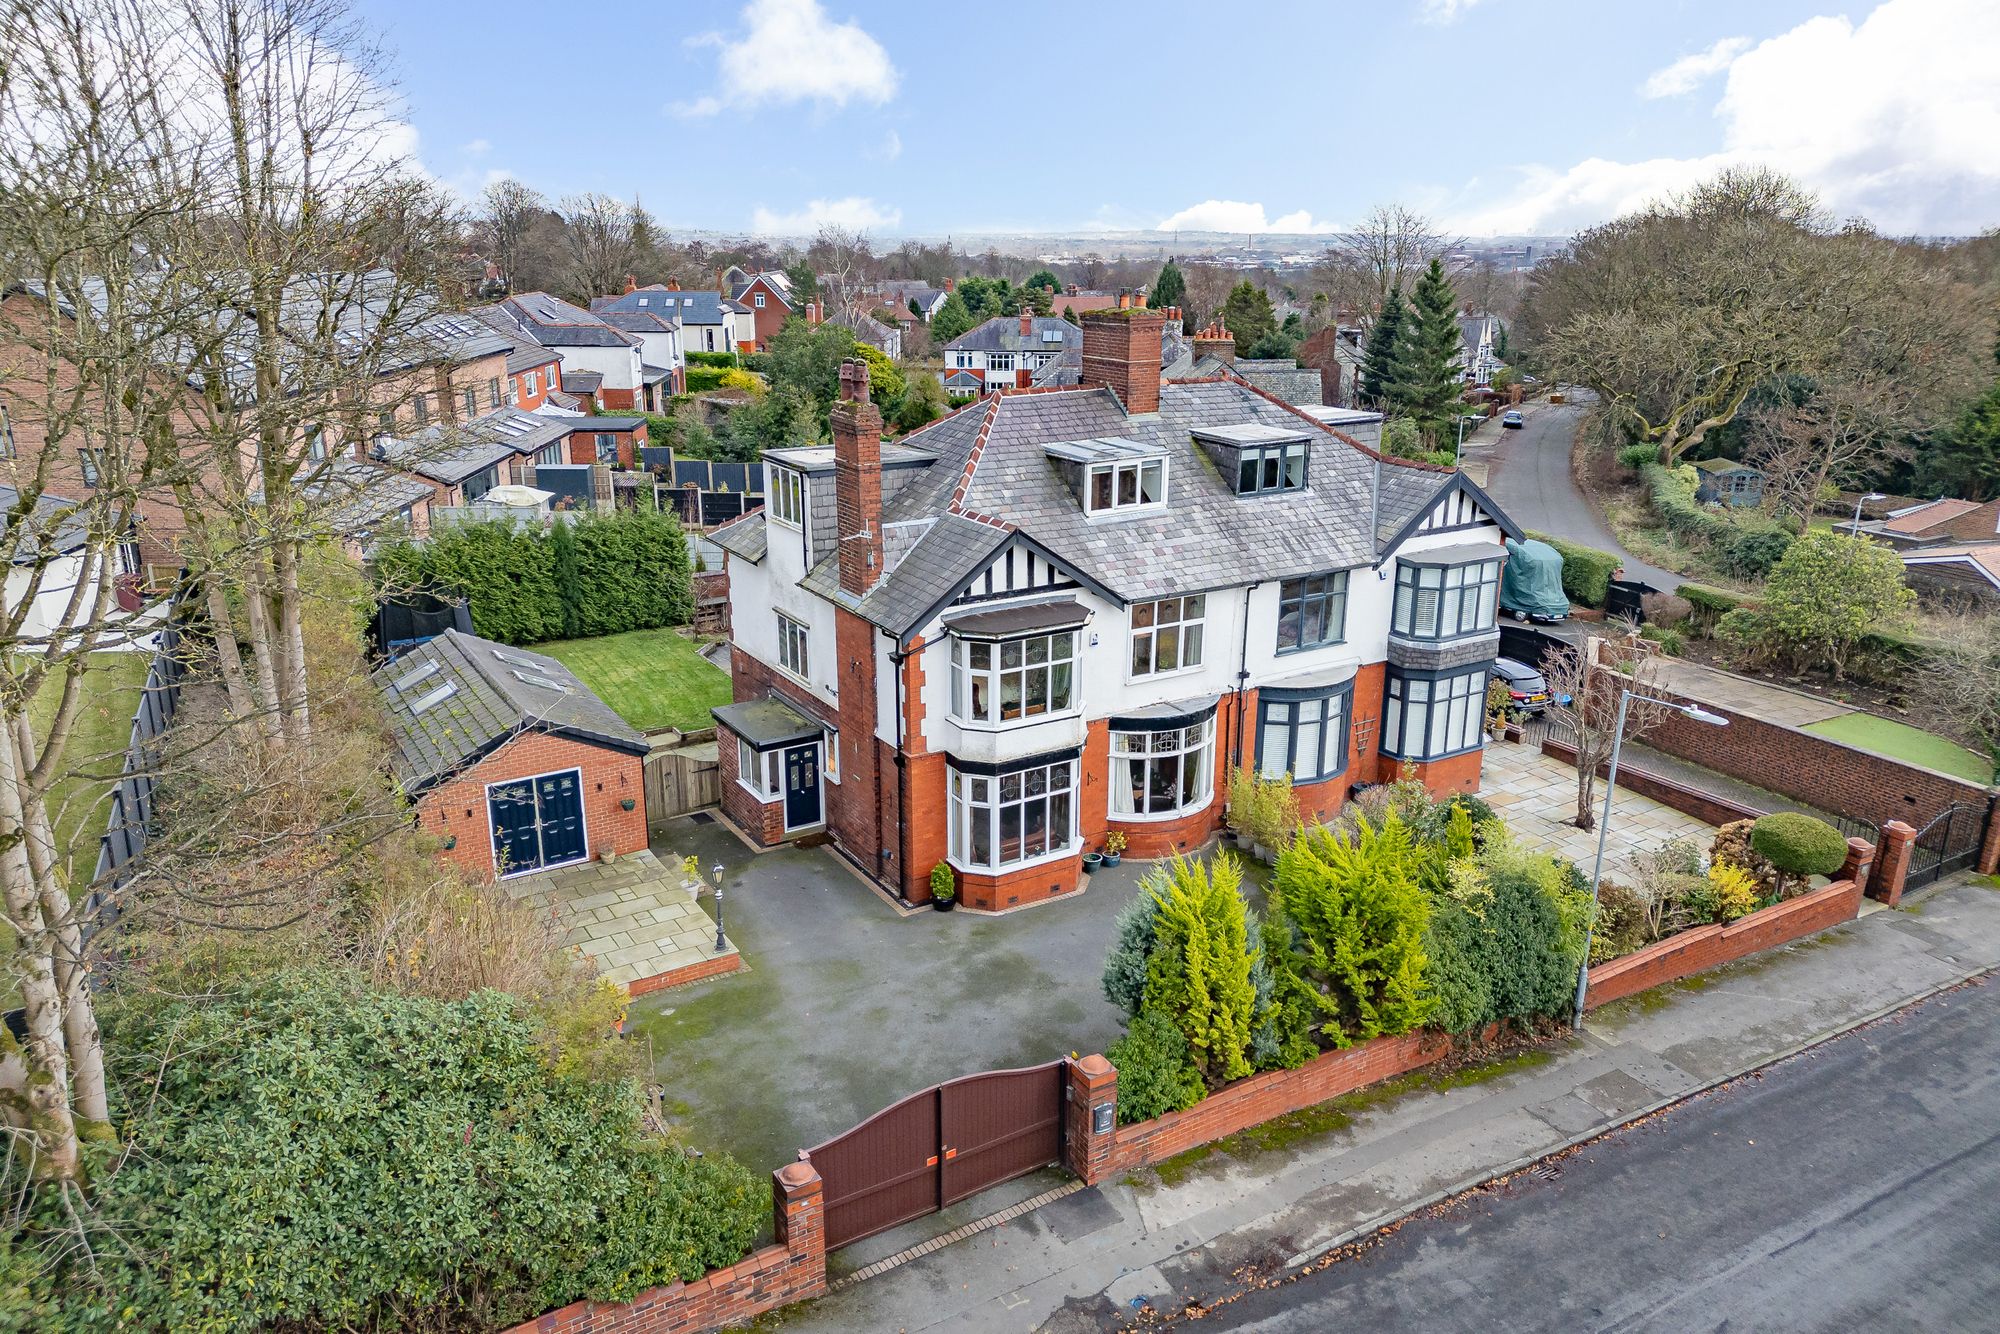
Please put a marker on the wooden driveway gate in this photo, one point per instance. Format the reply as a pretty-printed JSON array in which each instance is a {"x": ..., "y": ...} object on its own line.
[{"x": 937, "y": 1147}]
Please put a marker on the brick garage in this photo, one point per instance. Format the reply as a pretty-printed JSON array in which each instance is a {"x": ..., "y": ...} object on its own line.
[{"x": 485, "y": 733}]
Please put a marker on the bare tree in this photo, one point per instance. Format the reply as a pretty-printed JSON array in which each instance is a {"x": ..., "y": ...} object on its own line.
[
  {"x": 1586, "y": 700},
  {"x": 1839, "y": 433},
  {"x": 508, "y": 211},
  {"x": 1958, "y": 689},
  {"x": 842, "y": 257},
  {"x": 597, "y": 245},
  {"x": 1389, "y": 249}
]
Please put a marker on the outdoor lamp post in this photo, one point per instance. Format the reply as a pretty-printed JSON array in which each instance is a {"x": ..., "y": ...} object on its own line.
[
  {"x": 1858, "y": 503},
  {"x": 716, "y": 873},
  {"x": 1457, "y": 452},
  {"x": 1625, "y": 698}
]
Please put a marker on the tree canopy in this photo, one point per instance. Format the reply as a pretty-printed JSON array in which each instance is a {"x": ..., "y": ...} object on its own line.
[{"x": 1248, "y": 315}]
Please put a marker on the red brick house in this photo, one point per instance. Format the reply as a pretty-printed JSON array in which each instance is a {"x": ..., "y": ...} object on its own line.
[
  {"x": 607, "y": 439},
  {"x": 510, "y": 760},
  {"x": 767, "y": 296},
  {"x": 1062, "y": 612},
  {"x": 536, "y": 372}
]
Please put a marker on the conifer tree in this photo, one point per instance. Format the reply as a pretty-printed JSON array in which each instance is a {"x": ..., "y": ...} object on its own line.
[
  {"x": 1170, "y": 288},
  {"x": 1378, "y": 362},
  {"x": 1198, "y": 974},
  {"x": 568, "y": 578},
  {"x": 1424, "y": 385}
]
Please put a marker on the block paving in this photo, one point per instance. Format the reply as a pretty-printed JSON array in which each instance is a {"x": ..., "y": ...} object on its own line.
[
  {"x": 1536, "y": 795},
  {"x": 637, "y": 917}
]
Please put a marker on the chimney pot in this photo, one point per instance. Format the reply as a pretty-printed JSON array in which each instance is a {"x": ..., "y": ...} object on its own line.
[
  {"x": 1124, "y": 301},
  {"x": 631, "y": 283},
  {"x": 1139, "y": 300}
]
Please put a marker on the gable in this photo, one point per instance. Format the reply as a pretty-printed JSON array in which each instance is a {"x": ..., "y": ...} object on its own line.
[
  {"x": 1019, "y": 568},
  {"x": 1459, "y": 507}
]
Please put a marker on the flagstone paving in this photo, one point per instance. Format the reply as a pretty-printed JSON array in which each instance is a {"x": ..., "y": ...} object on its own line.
[
  {"x": 637, "y": 917},
  {"x": 1536, "y": 795}
]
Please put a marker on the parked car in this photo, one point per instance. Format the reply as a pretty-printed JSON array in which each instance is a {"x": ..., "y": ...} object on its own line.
[
  {"x": 1512, "y": 420},
  {"x": 1527, "y": 691}
]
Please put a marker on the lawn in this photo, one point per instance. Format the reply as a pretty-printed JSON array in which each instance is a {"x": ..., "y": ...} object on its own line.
[
  {"x": 103, "y": 727},
  {"x": 1901, "y": 742},
  {"x": 653, "y": 678}
]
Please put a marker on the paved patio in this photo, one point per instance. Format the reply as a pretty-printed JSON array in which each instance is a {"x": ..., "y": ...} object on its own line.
[
  {"x": 637, "y": 916},
  {"x": 1536, "y": 795}
]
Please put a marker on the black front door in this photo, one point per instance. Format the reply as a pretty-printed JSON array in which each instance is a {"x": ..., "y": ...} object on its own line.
[
  {"x": 802, "y": 786},
  {"x": 537, "y": 822}
]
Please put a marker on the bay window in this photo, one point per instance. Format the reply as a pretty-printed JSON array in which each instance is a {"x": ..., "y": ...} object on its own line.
[
  {"x": 1001, "y": 681},
  {"x": 1162, "y": 773},
  {"x": 1166, "y": 635},
  {"x": 1001, "y": 819},
  {"x": 1441, "y": 601},
  {"x": 1430, "y": 715},
  {"x": 1312, "y": 612},
  {"x": 1304, "y": 737}
]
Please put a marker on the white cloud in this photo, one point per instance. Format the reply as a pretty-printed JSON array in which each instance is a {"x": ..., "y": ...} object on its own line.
[
  {"x": 1690, "y": 72},
  {"x": 790, "y": 51},
  {"x": 1231, "y": 215},
  {"x": 891, "y": 147},
  {"x": 853, "y": 211},
  {"x": 477, "y": 148},
  {"x": 1441, "y": 12},
  {"x": 1894, "y": 119}
]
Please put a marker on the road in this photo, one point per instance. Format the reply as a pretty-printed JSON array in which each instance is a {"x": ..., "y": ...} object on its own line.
[
  {"x": 1528, "y": 473},
  {"x": 1856, "y": 1186}
]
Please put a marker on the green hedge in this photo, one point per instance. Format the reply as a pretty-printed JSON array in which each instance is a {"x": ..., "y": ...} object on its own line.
[
  {"x": 1587, "y": 572},
  {"x": 1745, "y": 545},
  {"x": 631, "y": 573},
  {"x": 703, "y": 378},
  {"x": 1710, "y": 605},
  {"x": 1798, "y": 844},
  {"x": 724, "y": 359}
]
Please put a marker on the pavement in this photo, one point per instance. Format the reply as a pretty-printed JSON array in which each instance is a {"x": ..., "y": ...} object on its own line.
[
  {"x": 1528, "y": 472},
  {"x": 1763, "y": 700},
  {"x": 637, "y": 917},
  {"x": 1836, "y": 1216},
  {"x": 1264, "y": 1204},
  {"x": 1536, "y": 795}
]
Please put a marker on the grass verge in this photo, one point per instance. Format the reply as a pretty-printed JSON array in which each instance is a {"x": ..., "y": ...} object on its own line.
[
  {"x": 1900, "y": 741},
  {"x": 652, "y": 678}
]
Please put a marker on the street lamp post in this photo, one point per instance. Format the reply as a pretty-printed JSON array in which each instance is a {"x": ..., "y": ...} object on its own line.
[
  {"x": 1691, "y": 711},
  {"x": 1859, "y": 501},
  {"x": 716, "y": 873},
  {"x": 1459, "y": 451}
]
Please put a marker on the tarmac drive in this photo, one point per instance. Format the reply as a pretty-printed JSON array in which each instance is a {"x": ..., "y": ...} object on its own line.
[{"x": 1856, "y": 1186}]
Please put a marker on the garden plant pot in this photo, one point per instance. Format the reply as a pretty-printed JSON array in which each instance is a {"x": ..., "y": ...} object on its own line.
[
  {"x": 943, "y": 905},
  {"x": 1091, "y": 861},
  {"x": 1113, "y": 858}
]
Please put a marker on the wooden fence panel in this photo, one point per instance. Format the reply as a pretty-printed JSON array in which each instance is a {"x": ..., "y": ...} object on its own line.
[{"x": 679, "y": 781}]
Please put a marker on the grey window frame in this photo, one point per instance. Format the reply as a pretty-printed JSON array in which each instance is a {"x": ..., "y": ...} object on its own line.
[
  {"x": 1284, "y": 709},
  {"x": 1299, "y": 593},
  {"x": 1405, "y": 616},
  {"x": 1285, "y": 453},
  {"x": 1396, "y": 712}
]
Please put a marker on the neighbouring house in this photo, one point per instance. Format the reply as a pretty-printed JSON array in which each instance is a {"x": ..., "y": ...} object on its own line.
[
  {"x": 1727, "y": 482},
  {"x": 465, "y": 461},
  {"x": 509, "y": 759},
  {"x": 48, "y": 558},
  {"x": 1933, "y": 522},
  {"x": 901, "y": 293},
  {"x": 1075, "y": 300},
  {"x": 1338, "y": 352},
  {"x": 884, "y": 338},
  {"x": 663, "y": 362},
  {"x": 1066, "y": 611},
  {"x": 709, "y": 321},
  {"x": 1006, "y": 351},
  {"x": 367, "y": 502},
  {"x": 1359, "y": 423},
  {"x": 768, "y": 298},
  {"x": 1283, "y": 378},
  {"x": 1966, "y": 576},
  {"x": 586, "y": 345},
  {"x": 607, "y": 439},
  {"x": 534, "y": 373},
  {"x": 1475, "y": 358}
]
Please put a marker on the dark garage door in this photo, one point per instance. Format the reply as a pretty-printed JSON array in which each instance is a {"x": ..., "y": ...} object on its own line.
[{"x": 537, "y": 822}]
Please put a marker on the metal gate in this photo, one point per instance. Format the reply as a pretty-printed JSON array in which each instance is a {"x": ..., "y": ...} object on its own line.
[
  {"x": 1950, "y": 842},
  {"x": 937, "y": 1147}
]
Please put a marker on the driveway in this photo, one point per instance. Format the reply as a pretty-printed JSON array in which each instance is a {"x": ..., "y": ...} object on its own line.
[
  {"x": 1536, "y": 795},
  {"x": 845, "y": 1005},
  {"x": 1528, "y": 472}
]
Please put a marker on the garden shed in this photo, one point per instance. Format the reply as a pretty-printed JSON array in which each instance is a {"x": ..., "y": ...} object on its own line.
[{"x": 1727, "y": 482}]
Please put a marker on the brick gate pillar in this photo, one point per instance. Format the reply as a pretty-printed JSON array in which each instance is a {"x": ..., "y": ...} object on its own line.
[
  {"x": 1989, "y": 848},
  {"x": 798, "y": 1214},
  {"x": 1860, "y": 857},
  {"x": 1090, "y": 1118},
  {"x": 1892, "y": 863}
]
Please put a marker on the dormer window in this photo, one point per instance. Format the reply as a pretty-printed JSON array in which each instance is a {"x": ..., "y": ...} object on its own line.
[
  {"x": 1112, "y": 474},
  {"x": 787, "y": 496},
  {"x": 1258, "y": 459}
]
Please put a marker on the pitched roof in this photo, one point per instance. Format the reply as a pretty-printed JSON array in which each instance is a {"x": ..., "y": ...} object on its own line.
[
  {"x": 552, "y": 322},
  {"x": 865, "y": 327},
  {"x": 448, "y": 452},
  {"x": 1002, "y": 333},
  {"x": 744, "y": 536},
  {"x": 1722, "y": 466},
  {"x": 54, "y": 519},
  {"x": 490, "y": 694},
  {"x": 689, "y": 307},
  {"x": 1283, "y": 377},
  {"x": 1925, "y": 517}
]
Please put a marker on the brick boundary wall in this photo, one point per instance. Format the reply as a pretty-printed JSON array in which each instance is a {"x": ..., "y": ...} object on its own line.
[
  {"x": 1706, "y": 947},
  {"x": 790, "y": 1270},
  {"x": 678, "y": 977},
  {"x": 1701, "y": 805}
]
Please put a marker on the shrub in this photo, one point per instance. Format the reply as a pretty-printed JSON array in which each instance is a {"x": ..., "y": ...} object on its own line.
[
  {"x": 1671, "y": 641},
  {"x": 711, "y": 359},
  {"x": 1360, "y": 919},
  {"x": 1797, "y": 844},
  {"x": 1709, "y": 605},
  {"x": 1586, "y": 573},
  {"x": 1198, "y": 973},
  {"x": 1634, "y": 458},
  {"x": 1155, "y": 1074},
  {"x": 1125, "y": 964},
  {"x": 1732, "y": 846},
  {"x": 1623, "y": 921},
  {"x": 701, "y": 379},
  {"x": 1265, "y": 809},
  {"x": 1282, "y": 1030},
  {"x": 339, "y": 1157},
  {"x": 1736, "y": 891},
  {"x": 943, "y": 885},
  {"x": 1671, "y": 493},
  {"x": 1828, "y": 593},
  {"x": 1751, "y": 551},
  {"x": 1747, "y": 633},
  {"x": 1666, "y": 610}
]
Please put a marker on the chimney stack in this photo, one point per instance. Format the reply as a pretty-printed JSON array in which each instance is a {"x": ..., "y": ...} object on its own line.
[
  {"x": 857, "y": 480},
  {"x": 631, "y": 283},
  {"x": 1216, "y": 340},
  {"x": 1027, "y": 322},
  {"x": 673, "y": 284},
  {"x": 720, "y": 289},
  {"x": 1121, "y": 352}
]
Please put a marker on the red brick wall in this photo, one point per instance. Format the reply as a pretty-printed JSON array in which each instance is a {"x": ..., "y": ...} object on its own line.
[
  {"x": 458, "y": 808},
  {"x": 764, "y": 821},
  {"x": 790, "y": 1270},
  {"x": 1460, "y": 773},
  {"x": 617, "y": 400},
  {"x": 532, "y": 386},
  {"x": 1701, "y": 805},
  {"x": 1014, "y": 889},
  {"x": 583, "y": 445},
  {"x": 1121, "y": 349},
  {"x": 1708, "y": 947},
  {"x": 694, "y": 972}
]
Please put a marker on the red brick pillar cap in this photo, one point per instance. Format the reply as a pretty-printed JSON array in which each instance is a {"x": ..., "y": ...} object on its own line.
[
  {"x": 1095, "y": 1065},
  {"x": 794, "y": 1175},
  {"x": 1899, "y": 828}
]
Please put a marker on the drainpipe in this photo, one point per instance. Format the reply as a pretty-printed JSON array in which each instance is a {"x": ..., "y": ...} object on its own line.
[
  {"x": 1242, "y": 675},
  {"x": 896, "y": 659}
]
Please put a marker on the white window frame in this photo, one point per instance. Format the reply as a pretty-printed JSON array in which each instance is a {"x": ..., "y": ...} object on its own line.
[
  {"x": 1116, "y": 476},
  {"x": 6, "y": 433},
  {"x": 1152, "y": 753},
  {"x": 975, "y": 800},
  {"x": 1456, "y": 728},
  {"x": 1321, "y": 720},
  {"x": 1329, "y": 591},
  {"x": 1453, "y": 588},
  {"x": 968, "y": 677},
  {"x": 768, "y": 765},
  {"x": 794, "y": 647},
  {"x": 785, "y": 495},
  {"x": 759, "y": 300},
  {"x": 1000, "y": 361},
  {"x": 1186, "y": 628}
]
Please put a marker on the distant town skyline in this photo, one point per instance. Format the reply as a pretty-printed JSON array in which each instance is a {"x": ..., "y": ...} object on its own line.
[{"x": 1495, "y": 117}]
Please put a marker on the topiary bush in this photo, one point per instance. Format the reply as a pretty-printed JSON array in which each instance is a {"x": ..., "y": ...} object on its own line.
[
  {"x": 1155, "y": 1072},
  {"x": 1586, "y": 572},
  {"x": 1634, "y": 458},
  {"x": 1797, "y": 844}
]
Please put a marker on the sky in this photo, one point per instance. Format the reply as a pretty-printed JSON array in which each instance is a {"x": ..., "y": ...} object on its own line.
[{"x": 1494, "y": 117}]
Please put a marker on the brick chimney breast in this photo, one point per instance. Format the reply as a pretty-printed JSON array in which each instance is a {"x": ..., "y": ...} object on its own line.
[
  {"x": 1027, "y": 324},
  {"x": 1121, "y": 352},
  {"x": 857, "y": 480}
]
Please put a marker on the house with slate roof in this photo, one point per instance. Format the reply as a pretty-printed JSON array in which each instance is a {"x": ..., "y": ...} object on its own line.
[
  {"x": 767, "y": 296},
  {"x": 1006, "y": 351},
  {"x": 509, "y": 760},
  {"x": 709, "y": 321},
  {"x": 1066, "y": 611},
  {"x": 588, "y": 347}
]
